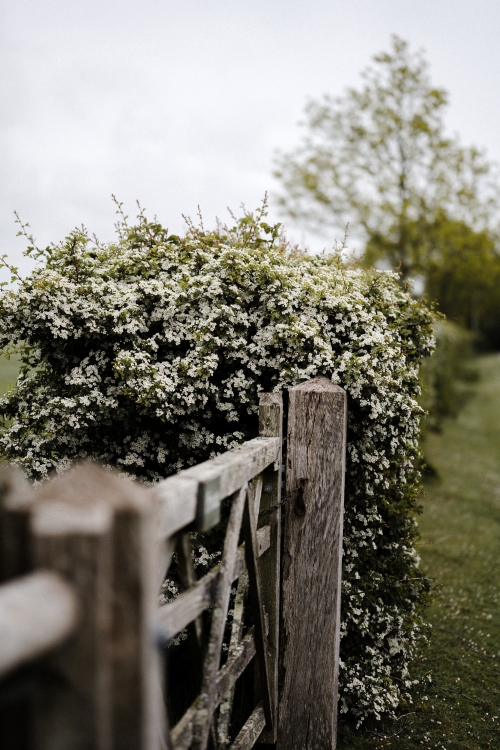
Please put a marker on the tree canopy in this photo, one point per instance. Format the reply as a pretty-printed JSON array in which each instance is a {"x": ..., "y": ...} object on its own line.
[
  {"x": 378, "y": 158},
  {"x": 463, "y": 273}
]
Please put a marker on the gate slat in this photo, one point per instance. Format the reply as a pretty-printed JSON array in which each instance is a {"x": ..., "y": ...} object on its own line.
[
  {"x": 251, "y": 730},
  {"x": 175, "y": 616},
  {"x": 181, "y": 735},
  {"x": 206, "y": 701},
  {"x": 258, "y": 610}
]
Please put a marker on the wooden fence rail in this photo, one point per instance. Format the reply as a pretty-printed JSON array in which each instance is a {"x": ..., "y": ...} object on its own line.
[{"x": 82, "y": 559}]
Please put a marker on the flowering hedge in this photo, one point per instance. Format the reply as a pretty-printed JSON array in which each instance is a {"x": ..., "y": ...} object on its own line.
[{"x": 149, "y": 353}]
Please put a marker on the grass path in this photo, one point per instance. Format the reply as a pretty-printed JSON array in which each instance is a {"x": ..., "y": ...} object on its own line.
[
  {"x": 460, "y": 548},
  {"x": 9, "y": 369}
]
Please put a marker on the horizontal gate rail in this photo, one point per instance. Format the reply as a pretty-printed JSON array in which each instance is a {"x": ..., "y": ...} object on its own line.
[
  {"x": 43, "y": 598},
  {"x": 195, "y": 494}
]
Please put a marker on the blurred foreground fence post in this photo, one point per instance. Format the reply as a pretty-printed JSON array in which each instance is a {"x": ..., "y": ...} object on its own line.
[
  {"x": 78, "y": 559},
  {"x": 72, "y": 537},
  {"x": 312, "y": 560}
]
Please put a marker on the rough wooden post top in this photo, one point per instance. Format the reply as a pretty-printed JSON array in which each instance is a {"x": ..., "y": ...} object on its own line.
[
  {"x": 83, "y": 500},
  {"x": 319, "y": 384},
  {"x": 88, "y": 483},
  {"x": 270, "y": 398}
]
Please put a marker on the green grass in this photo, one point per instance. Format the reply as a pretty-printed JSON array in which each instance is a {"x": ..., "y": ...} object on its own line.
[
  {"x": 9, "y": 369},
  {"x": 460, "y": 547}
]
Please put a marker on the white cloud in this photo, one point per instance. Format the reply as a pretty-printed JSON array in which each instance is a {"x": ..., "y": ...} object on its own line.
[{"x": 183, "y": 103}]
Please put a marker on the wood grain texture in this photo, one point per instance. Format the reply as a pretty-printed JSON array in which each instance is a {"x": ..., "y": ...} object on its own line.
[
  {"x": 176, "y": 498},
  {"x": 271, "y": 425},
  {"x": 233, "y": 668},
  {"x": 234, "y": 468},
  {"x": 251, "y": 558},
  {"x": 251, "y": 730},
  {"x": 174, "y": 616},
  {"x": 312, "y": 565},
  {"x": 226, "y": 706},
  {"x": 271, "y": 420},
  {"x": 180, "y": 497},
  {"x": 255, "y": 495},
  {"x": 182, "y": 734},
  {"x": 207, "y": 698}
]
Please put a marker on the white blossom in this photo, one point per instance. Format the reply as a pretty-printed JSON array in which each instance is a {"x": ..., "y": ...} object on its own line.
[{"x": 149, "y": 354}]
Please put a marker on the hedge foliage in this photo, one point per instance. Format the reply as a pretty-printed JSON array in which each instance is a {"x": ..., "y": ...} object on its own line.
[
  {"x": 447, "y": 375},
  {"x": 149, "y": 354}
]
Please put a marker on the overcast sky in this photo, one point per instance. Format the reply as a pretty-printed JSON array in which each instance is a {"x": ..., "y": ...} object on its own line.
[{"x": 184, "y": 103}]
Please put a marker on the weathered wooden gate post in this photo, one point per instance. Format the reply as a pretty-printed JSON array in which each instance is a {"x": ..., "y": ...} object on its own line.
[{"x": 312, "y": 556}]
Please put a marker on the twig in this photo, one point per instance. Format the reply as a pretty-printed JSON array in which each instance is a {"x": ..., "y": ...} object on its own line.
[
  {"x": 450, "y": 690},
  {"x": 403, "y": 715},
  {"x": 396, "y": 734}
]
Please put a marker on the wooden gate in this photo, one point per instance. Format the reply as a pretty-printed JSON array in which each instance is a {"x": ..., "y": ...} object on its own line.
[{"x": 82, "y": 558}]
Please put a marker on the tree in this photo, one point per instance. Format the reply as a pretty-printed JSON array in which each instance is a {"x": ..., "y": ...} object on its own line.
[
  {"x": 463, "y": 273},
  {"x": 378, "y": 158}
]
